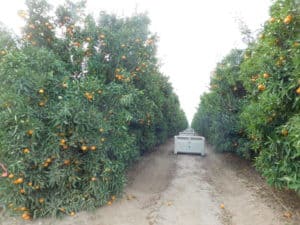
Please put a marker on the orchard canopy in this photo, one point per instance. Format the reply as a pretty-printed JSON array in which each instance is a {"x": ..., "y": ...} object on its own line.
[
  {"x": 81, "y": 99},
  {"x": 254, "y": 103}
]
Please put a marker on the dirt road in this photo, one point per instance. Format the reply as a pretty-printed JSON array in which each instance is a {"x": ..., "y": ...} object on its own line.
[{"x": 168, "y": 189}]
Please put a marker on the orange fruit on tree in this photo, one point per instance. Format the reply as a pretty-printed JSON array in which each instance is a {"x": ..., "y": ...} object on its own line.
[
  {"x": 67, "y": 162},
  {"x": 284, "y": 132},
  {"x": 62, "y": 141},
  {"x": 19, "y": 181},
  {"x": 41, "y": 91},
  {"x": 123, "y": 57},
  {"x": 30, "y": 132},
  {"x": 298, "y": 90},
  {"x": 41, "y": 200},
  {"x": 11, "y": 176},
  {"x": 261, "y": 87},
  {"x": 93, "y": 179},
  {"x": 26, "y": 216},
  {"x": 26, "y": 150},
  {"x": 42, "y": 104},
  {"x": 266, "y": 75},
  {"x": 93, "y": 148},
  {"x": 48, "y": 160},
  {"x": 288, "y": 19},
  {"x": 84, "y": 148}
]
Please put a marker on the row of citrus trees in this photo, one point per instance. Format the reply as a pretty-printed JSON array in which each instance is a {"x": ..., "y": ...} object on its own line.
[
  {"x": 254, "y": 103},
  {"x": 80, "y": 100}
]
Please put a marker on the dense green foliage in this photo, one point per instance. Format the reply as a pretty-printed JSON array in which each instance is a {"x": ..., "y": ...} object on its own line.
[
  {"x": 253, "y": 106},
  {"x": 80, "y": 101}
]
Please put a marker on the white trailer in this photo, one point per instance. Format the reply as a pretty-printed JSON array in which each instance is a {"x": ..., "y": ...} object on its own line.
[{"x": 190, "y": 144}]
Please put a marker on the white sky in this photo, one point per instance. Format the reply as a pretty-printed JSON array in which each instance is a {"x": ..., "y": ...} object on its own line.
[{"x": 194, "y": 34}]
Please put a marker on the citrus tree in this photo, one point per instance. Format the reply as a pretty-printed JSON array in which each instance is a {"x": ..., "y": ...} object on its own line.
[
  {"x": 81, "y": 100},
  {"x": 253, "y": 107}
]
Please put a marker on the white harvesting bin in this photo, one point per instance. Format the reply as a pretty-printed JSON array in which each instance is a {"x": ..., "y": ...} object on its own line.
[
  {"x": 187, "y": 133},
  {"x": 190, "y": 144}
]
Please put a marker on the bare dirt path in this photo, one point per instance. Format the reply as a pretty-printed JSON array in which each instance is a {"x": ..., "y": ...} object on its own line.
[{"x": 168, "y": 189}]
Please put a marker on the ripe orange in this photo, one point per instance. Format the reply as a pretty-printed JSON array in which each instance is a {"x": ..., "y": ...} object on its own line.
[
  {"x": 26, "y": 150},
  {"x": 288, "y": 19},
  {"x": 93, "y": 148},
  {"x": 62, "y": 141},
  {"x": 222, "y": 206},
  {"x": 26, "y": 216},
  {"x": 84, "y": 148},
  {"x": 102, "y": 36},
  {"x": 11, "y": 176},
  {"x": 298, "y": 90},
  {"x": 72, "y": 213},
  {"x": 266, "y": 76},
  {"x": 41, "y": 91},
  {"x": 22, "y": 191},
  {"x": 67, "y": 162},
  {"x": 19, "y": 181},
  {"x": 48, "y": 160},
  {"x": 261, "y": 87},
  {"x": 93, "y": 179},
  {"x": 30, "y": 132},
  {"x": 109, "y": 202}
]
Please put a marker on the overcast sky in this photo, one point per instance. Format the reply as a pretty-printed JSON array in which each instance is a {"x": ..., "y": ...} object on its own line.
[{"x": 194, "y": 34}]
